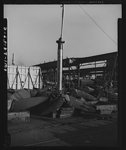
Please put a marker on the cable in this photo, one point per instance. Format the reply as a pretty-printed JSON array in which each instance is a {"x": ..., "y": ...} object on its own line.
[{"x": 98, "y": 25}]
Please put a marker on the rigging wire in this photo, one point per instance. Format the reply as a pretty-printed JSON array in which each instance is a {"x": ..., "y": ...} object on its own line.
[{"x": 97, "y": 25}]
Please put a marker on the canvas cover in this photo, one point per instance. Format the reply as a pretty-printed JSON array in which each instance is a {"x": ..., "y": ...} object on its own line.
[{"x": 20, "y": 94}]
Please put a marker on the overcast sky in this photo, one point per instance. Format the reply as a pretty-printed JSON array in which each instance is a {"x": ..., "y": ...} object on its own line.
[{"x": 33, "y": 30}]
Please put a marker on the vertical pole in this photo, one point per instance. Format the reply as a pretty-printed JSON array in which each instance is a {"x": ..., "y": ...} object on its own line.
[
  {"x": 8, "y": 84},
  {"x": 69, "y": 77},
  {"x": 60, "y": 56},
  {"x": 28, "y": 78},
  {"x": 78, "y": 69},
  {"x": 59, "y": 64},
  {"x": 39, "y": 77},
  {"x": 53, "y": 74},
  {"x": 17, "y": 78},
  {"x": 95, "y": 69}
]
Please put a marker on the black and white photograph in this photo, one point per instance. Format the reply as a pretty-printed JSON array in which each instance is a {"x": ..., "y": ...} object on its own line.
[{"x": 62, "y": 74}]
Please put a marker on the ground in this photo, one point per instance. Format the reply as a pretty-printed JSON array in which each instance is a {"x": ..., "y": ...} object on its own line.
[{"x": 74, "y": 131}]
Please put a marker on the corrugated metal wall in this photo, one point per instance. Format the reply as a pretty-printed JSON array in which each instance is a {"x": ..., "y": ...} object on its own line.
[{"x": 24, "y": 77}]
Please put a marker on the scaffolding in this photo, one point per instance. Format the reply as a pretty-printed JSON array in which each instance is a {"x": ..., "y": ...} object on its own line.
[{"x": 19, "y": 77}]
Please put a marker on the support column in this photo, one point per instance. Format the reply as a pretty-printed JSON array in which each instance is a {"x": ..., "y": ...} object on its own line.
[
  {"x": 28, "y": 78},
  {"x": 69, "y": 81},
  {"x": 95, "y": 69},
  {"x": 8, "y": 84},
  {"x": 78, "y": 70},
  {"x": 54, "y": 75},
  {"x": 59, "y": 64},
  {"x": 39, "y": 78},
  {"x": 17, "y": 78}
]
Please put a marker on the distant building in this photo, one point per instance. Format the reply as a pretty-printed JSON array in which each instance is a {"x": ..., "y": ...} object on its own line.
[{"x": 103, "y": 66}]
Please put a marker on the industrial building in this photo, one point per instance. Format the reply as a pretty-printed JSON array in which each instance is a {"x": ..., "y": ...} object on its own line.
[
  {"x": 102, "y": 66},
  {"x": 94, "y": 67}
]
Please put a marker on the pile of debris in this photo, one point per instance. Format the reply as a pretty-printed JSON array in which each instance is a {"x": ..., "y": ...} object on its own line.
[{"x": 90, "y": 98}]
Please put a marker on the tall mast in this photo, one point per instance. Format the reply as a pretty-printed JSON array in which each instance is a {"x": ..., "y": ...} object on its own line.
[
  {"x": 62, "y": 20},
  {"x": 60, "y": 56}
]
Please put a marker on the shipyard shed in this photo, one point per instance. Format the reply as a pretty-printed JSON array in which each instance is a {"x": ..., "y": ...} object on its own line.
[{"x": 102, "y": 66}]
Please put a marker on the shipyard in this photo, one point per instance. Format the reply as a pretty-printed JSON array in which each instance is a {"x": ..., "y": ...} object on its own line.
[{"x": 69, "y": 101}]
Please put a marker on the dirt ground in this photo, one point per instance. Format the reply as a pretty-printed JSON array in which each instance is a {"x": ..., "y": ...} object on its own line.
[{"x": 74, "y": 131}]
